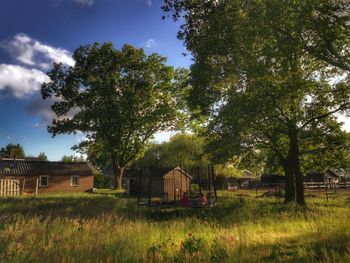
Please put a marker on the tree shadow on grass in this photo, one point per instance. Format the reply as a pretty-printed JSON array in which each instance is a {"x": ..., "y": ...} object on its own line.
[
  {"x": 335, "y": 247},
  {"x": 227, "y": 212}
]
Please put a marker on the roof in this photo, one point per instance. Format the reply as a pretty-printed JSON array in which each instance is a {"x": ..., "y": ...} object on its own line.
[
  {"x": 34, "y": 168},
  {"x": 326, "y": 173},
  {"x": 156, "y": 172}
]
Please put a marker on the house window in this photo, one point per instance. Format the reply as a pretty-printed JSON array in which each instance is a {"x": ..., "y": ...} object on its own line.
[
  {"x": 44, "y": 181},
  {"x": 74, "y": 181}
]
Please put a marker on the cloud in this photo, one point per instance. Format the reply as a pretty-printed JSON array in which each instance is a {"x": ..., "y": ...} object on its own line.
[
  {"x": 33, "y": 58},
  {"x": 20, "y": 81},
  {"x": 150, "y": 43},
  {"x": 33, "y": 53},
  {"x": 84, "y": 3},
  {"x": 147, "y": 2},
  {"x": 39, "y": 125},
  {"x": 42, "y": 108}
]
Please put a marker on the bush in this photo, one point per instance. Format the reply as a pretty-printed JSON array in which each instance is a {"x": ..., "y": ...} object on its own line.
[{"x": 194, "y": 188}]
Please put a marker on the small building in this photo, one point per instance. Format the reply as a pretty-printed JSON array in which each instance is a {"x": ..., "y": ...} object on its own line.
[
  {"x": 270, "y": 180},
  {"x": 157, "y": 182},
  {"x": 247, "y": 180},
  {"x": 327, "y": 176},
  {"x": 46, "y": 177}
]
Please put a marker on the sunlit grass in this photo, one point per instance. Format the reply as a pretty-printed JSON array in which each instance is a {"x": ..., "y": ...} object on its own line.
[{"x": 109, "y": 227}]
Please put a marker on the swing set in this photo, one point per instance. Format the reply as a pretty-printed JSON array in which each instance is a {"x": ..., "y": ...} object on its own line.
[{"x": 173, "y": 188}]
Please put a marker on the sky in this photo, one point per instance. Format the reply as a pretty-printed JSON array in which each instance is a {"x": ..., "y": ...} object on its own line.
[{"x": 36, "y": 33}]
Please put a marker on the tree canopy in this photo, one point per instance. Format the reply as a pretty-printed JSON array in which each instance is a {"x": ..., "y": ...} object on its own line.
[
  {"x": 72, "y": 158},
  {"x": 19, "y": 151},
  {"x": 117, "y": 98},
  {"x": 269, "y": 74},
  {"x": 183, "y": 149},
  {"x": 42, "y": 156}
]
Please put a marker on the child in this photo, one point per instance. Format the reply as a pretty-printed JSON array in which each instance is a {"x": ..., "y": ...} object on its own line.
[{"x": 184, "y": 200}]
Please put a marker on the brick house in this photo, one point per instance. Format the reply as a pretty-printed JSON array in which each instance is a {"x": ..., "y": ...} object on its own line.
[{"x": 48, "y": 177}]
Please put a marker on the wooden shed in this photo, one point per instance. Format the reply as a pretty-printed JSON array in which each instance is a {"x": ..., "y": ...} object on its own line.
[{"x": 156, "y": 182}]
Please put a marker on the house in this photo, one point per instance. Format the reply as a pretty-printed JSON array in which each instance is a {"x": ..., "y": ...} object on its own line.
[
  {"x": 47, "y": 177},
  {"x": 157, "y": 182},
  {"x": 326, "y": 176}
]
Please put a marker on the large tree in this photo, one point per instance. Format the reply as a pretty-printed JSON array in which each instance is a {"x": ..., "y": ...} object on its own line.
[
  {"x": 268, "y": 73},
  {"x": 117, "y": 98},
  {"x": 18, "y": 150}
]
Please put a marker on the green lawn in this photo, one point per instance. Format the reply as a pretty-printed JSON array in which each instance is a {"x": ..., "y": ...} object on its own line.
[{"x": 108, "y": 227}]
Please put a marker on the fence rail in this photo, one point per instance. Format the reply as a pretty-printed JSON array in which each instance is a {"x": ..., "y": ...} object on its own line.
[{"x": 9, "y": 187}]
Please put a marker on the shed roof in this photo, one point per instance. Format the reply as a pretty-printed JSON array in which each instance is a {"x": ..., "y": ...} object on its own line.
[
  {"x": 156, "y": 172},
  {"x": 34, "y": 168}
]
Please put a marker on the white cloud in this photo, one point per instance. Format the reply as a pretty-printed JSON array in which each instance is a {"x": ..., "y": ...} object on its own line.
[
  {"x": 39, "y": 125},
  {"x": 84, "y": 3},
  {"x": 21, "y": 81},
  {"x": 150, "y": 43},
  {"x": 32, "y": 52},
  {"x": 147, "y": 2}
]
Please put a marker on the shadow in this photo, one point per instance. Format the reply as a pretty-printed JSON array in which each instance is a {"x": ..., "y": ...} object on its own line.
[
  {"x": 302, "y": 248},
  {"x": 229, "y": 209}
]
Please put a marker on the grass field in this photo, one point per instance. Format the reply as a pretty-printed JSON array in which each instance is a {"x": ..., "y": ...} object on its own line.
[{"x": 108, "y": 227}]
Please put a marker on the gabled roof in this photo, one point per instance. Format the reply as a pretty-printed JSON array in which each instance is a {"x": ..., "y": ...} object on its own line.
[
  {"x": 156, "y": 172},
  {"x": 35, "y": 168},
  {"x": 327, "y": 173}
]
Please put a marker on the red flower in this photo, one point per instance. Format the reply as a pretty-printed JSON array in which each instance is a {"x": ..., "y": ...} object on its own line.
[{"x": 189, "y": 234}]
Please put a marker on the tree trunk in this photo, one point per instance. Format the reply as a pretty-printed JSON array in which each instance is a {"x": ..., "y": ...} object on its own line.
[
  {"x": 298, "y": 176},
  {"x": 118, "y": 172},
  {"x": 289, "y": 186},
  {"x": 118, "y": 177}
]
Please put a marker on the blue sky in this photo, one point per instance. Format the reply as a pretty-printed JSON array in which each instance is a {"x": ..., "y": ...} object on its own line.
[{"x": 36, "y": 33}]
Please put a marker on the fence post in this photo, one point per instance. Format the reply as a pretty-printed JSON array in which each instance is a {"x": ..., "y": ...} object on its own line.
[{"x": 37, "y": 186}]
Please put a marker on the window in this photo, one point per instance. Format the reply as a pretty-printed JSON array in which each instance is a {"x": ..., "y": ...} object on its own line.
[
  {"x": 74, "y": 181},
  {"x": 44, "y": 181}
]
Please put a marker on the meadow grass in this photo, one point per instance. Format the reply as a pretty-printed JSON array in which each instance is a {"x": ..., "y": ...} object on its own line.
[{"x": 110, "y": 227}]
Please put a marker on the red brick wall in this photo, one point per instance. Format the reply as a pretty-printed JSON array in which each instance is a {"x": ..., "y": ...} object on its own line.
[{"x": 56, "y": 184}]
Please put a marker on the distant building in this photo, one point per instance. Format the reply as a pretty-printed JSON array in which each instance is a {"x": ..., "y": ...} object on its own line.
[
  {"x": 47, "y": 177},
  {"x": 326, "y": 176}
]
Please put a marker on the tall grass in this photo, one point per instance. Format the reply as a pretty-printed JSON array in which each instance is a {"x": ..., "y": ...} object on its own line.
[{"x": 109, "y": 227}]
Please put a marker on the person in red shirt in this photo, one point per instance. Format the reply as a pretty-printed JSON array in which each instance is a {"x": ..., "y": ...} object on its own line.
[{"x": 184, "y": 200}]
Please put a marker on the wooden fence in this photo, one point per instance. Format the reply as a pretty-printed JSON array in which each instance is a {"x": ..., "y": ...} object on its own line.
[{"x": 9, "y": 187}]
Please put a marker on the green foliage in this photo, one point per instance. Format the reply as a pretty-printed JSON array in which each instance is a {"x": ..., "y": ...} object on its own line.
[
  {"x": 19, "y": 151},
  {"x": 42, "y": 156},
  {"x": 72, "y": 158},
  {"x": 270, "y": 75},
  {"x": 191, "y": 245},
  {"x": 100, "y": 181},
  {"x": 194, "y": 188},
  {"x": 230, "y": 168},
  {"x": 182, "y": 149},
  {"x": 118, "y": 99}
]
